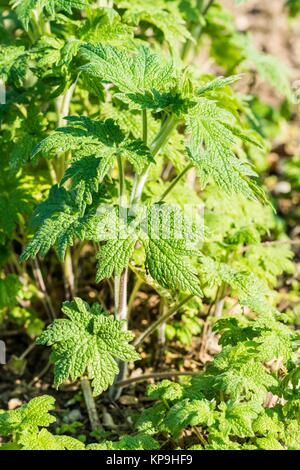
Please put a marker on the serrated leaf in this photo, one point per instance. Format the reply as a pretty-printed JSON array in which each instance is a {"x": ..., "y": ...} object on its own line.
[
  {"x": 217, "y": 83},
  {"x": 170, "y": 267},
  {"x": 269, "y": 443},
  {"x": 211, "y": 149},
  {"x": 165, "y": 390},
  {"x": 28, "y": 417},
  {"x": 189, "y": 413},
  {"x": 95, "y": 146},
  {"x": 61, "y": 219},
  {"x": 162, "y": 15},
  {"x": 238, "y": 419},
  {"x": 24, "y": 8},
  {"x": 138, "y": 442},
  {"x": 44, "y": 440},
  {"x": 88, "y": 343},
  {"x": 114, "y": 257},
  {"x": 143, "y": 78}
]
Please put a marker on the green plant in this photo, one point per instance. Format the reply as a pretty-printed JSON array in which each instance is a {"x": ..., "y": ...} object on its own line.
[{"x": 104, "y": 120}]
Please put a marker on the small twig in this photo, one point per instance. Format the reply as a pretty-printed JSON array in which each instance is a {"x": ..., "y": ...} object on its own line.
[
  {"x": 40, "y": 375},
  {"x": 69, "y": 278},
  {"x": 40, "y": 280},
  {"x": 28, "y": 350},
  {"x": 199, "y": 435},
  {"x": 155, "y": 375},
  {"x": 205, "y": 10},
  {"x": 175, "y": 181},
  {"x": 161, "y": 320},
  {"x": 133, "y": 294}
]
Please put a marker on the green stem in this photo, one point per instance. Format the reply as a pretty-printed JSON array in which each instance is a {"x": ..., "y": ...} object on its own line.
[
  {"x": 134, "y": 291},
  {"x": 40, "y": 280},
  {"x": 69, "y": 278},
  {"x": 196, "y": 30},
  {"x": 120, "y": 289},
  {"x": 175, "y": 181},
  {"x": 63, "y": 108},
  {"x": 90, "y": 404},
  {"x": 145, "y": 126},
  {"x": 161, "y": 320},
  {"x": 155, "y": 147}
]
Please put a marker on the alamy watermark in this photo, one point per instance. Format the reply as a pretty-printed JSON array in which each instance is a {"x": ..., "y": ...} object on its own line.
[{"x": 156, "y": 222}]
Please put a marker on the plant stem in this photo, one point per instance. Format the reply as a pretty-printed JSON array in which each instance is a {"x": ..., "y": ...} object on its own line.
[
  {"x": 145, "y": 126},
  {"x": 196, "y": 29},
  {"x": 161, "y": 320},
  {"x": 161, "y": 333},
  {"x": 63, "y": 108},
  {"x": 209, "y": 4},
  {"x": 121, "y": 281},
  {"x": 134, "y": 291},
  {"x": 40, "y": 280},
  {"x": 90, "y": 404},
  {"x": 69, "y": 278},
  {"x": 175, "y": 181},
  {"x": 199, "y": 435},
  {"x": 27, "y": 351},
  {"x": 120, "y": 284},
  {"x": 52, "y": 171},
  {"x": 155, "y": 147}
]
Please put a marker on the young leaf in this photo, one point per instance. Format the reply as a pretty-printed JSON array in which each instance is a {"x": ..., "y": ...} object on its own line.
[
  {"x": 162, "y": 15},
  {"x": 144, "y": 79},
  {"x": 28, "y": 417},
  {"x": 24, "y": 8},
  {"x": 89, "y": 342},
  {"x": 189, "y": 413}
]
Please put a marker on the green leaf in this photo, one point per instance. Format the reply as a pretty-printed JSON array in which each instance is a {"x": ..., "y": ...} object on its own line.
[
  {"x": 269, "y": 443},
  {"x": 144, "y": 79},
  {"x": 189, "y": 413},
  {"x": 251, "y": 291},
  {"x": 95, "y": 146},
  {"x": 13, "y": 64},
  {"x": 61, "y": 219},
  {"x": 16, "y": 201},
  {"x": 238, "y": 418},
  {"x": 138, "y": 442},
  {"x": 162, "y": 15},
  {"x": 24, "y": 8},
  {"x": 114, "y": 257},
  {"x": 169, "y": 266},
  {"x": 44, "y": 440},
  {"x": 152, "y": 420},
  {"x": 217, "y": 83},
  {"x": 272, "y": 70},
  {"x": 9, "y": 288},
  {"x": 239, "y": 376},
  {"x": 214, "y": 135},
  {"x": 165, "y": 390},
  {"x": 28, "y": 417},
  {"x": 88, "y": 343}
]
